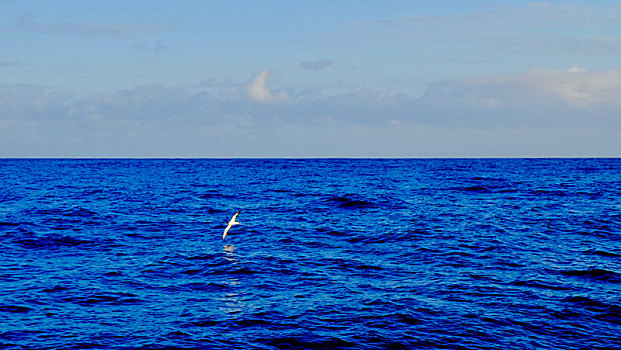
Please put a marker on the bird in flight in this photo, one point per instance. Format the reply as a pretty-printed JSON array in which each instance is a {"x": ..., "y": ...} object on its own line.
[{"x": 230, "y": 224}]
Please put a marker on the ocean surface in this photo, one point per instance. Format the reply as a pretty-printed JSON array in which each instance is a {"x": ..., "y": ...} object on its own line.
[{"x": 330, "y": 254}]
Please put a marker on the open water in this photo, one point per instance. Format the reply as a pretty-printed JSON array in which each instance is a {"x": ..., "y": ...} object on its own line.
[{"x": 330, "y": 254}]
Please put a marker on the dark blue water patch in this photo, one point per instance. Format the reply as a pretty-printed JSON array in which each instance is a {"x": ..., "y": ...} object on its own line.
[
  {"x": 213, "y": 194},
  {"x": 66, "y": 214},
  {"x": 603, "y": 253},
  {"x": 606, "y": 226},
  {"x": 92, "y": 299},
  {"x": 210, "y": 210},
  {"x": 350, "y": 202},
  {"x": 584, "y": 307},
  {"x": 309, "y": 342},
  {"x": 51, "y": 241},
  {"x": 477, "y": 189},
  {"x": 332, "y": 232},
  {"x": 349, "y": 265},
  {"x": 15, "y": 309},
  {"x": 201, "y": 287},
  {"x": 9, "y": 224},
  {"x": 56, "y": 288},
  {"x": 533, "y": 283},
  {"x": 595, "y": 274},
  {"x": 368, "y": 239}
]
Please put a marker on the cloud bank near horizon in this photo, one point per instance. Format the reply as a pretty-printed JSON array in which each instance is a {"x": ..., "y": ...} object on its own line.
[{"x": 536, "y": 111}]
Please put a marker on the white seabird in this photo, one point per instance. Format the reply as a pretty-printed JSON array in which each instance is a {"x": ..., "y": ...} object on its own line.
[{"x": 230, "y": 224}]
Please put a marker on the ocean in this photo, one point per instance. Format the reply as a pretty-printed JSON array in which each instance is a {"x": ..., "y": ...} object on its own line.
[{"x": 329, "y": 254}]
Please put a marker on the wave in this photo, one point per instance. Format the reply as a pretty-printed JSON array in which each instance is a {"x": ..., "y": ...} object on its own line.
[
  {"x": 476, "y": 189},
  {"x": 312, "y": 342},
  {"x": 15, "y": 309},
  {"x": 366, "y": 238},
  {"x": 595, "y": 274},
  {"x": 56, "y": 288},
  {"x": 197, "y": 287},
  {"x": 603, "y": 226},
  {"x": 602, "y": 253},
  {"x": 485, "y": 185},
  {"x": 549, "y": 192},
  {"x": 52, "y": 241},
  {"x": 75, "y": 212},
  {"x": 213, "y": 195},
  {"x": 220, "y": 270},
  {"x": 350, "y": 202},
  {"x": 332, "y": 232},
  {"x": 539, "y": 284},
  {"x": 582, "y": 306},
  {"x": 9, "y": 224},
  {"x": 351, "y": 265},
  {"x": 104, "y": 298}
]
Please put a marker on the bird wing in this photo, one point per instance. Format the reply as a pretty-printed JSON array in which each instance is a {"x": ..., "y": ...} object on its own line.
[
  {"x": 226, "y": 230},
  {"x": 235, "y": 216}
]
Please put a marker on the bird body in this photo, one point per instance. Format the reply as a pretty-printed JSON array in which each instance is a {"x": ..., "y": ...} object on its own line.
[{"x": 230, "y": 224}]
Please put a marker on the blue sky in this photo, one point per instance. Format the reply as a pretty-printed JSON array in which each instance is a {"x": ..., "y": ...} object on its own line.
[{"x": 310, "y": 79}]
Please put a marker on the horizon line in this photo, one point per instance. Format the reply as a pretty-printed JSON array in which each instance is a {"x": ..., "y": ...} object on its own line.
[{"x": 311, "y": 158}]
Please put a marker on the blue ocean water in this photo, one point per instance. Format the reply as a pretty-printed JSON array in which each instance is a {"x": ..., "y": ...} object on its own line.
[{"x": 330, "y": 254}]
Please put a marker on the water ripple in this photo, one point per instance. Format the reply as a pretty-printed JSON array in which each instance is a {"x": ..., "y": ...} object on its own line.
[{"x": 331, "y": 254}]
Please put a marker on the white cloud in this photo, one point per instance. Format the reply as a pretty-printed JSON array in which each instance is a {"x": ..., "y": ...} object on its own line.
[
  {"x": 576, "y": 69},
  {"x": 575, "y": 87},
  {"x": 258, "y": 91}
]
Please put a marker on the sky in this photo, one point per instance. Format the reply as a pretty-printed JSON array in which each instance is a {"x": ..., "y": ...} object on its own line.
[{"x": 276, "y": 78}]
